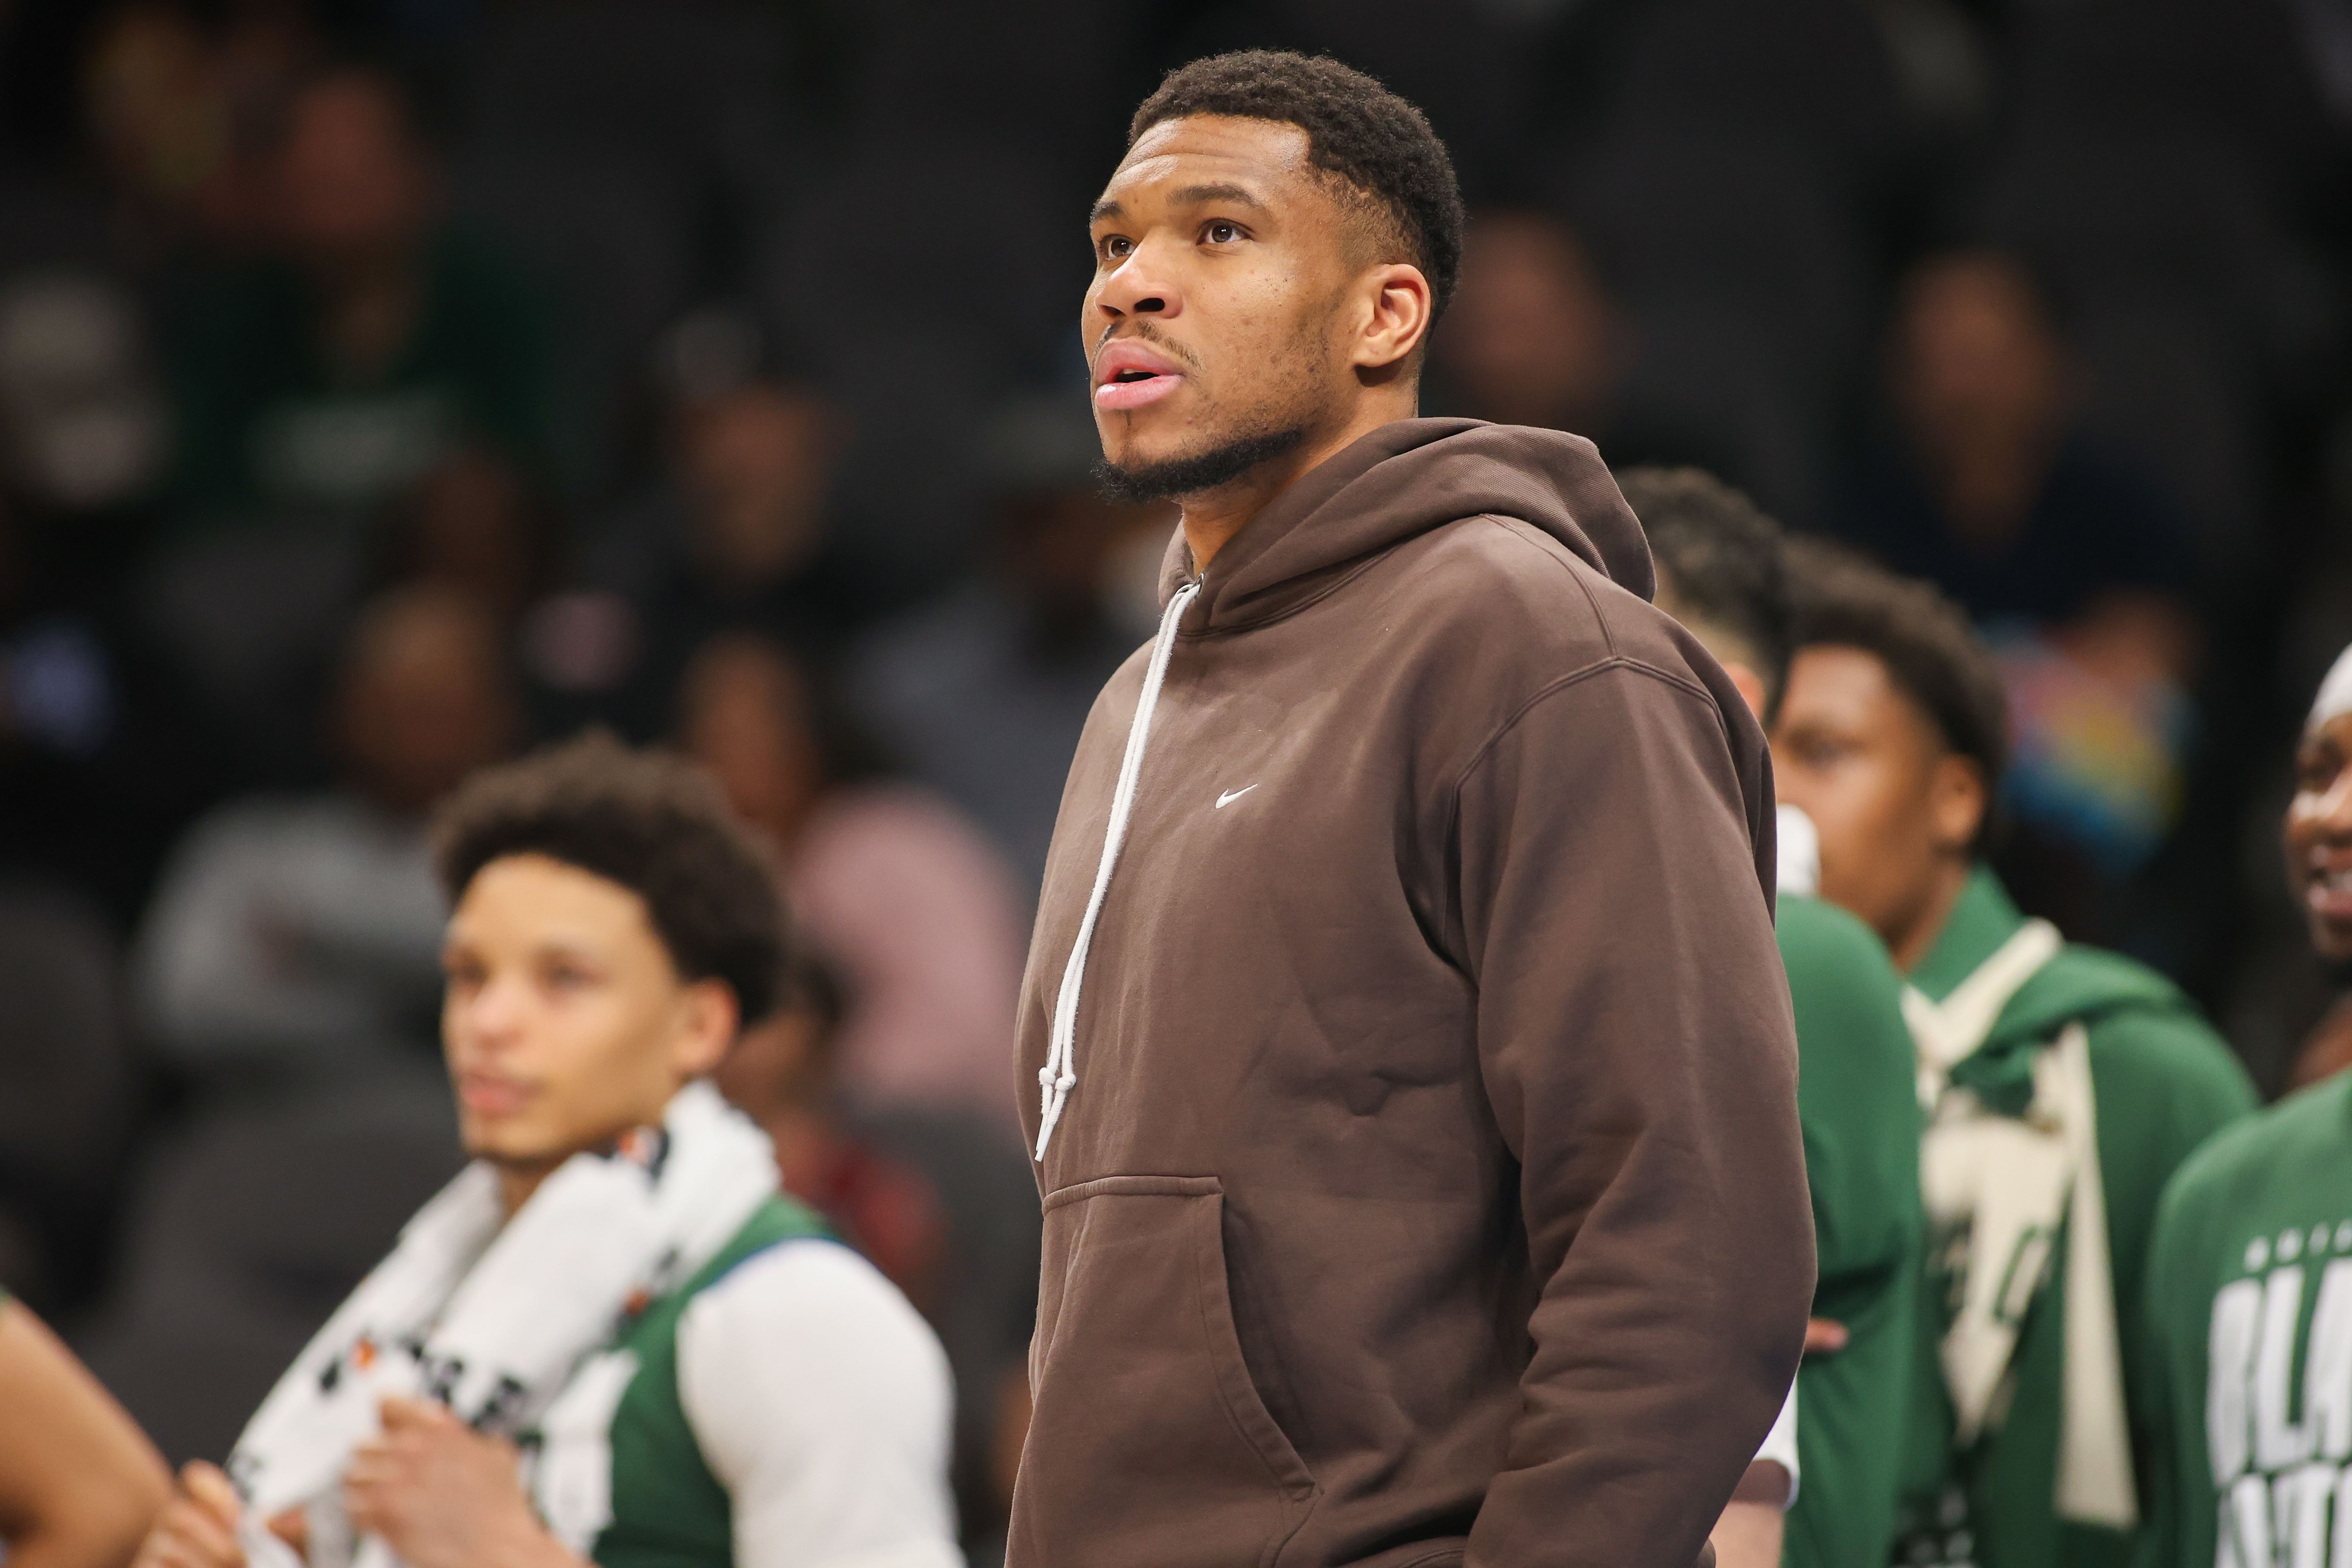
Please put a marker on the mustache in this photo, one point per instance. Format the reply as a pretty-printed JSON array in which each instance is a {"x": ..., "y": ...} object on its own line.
[{"x": 1144, "y": 331}]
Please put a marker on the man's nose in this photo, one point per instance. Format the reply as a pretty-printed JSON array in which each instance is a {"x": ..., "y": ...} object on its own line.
[
  {"x": 1140, "y": 286},
  {"x": 492, "y": 1014}
]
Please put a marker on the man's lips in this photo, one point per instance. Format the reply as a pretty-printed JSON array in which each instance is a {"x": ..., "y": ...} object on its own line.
[
  {"x": 1127, "y": 375},
  {"x": 485, "y": 1095}
]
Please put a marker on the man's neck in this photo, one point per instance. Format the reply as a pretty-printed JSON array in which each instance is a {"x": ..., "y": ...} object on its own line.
[
  {"x": 518, "y": 1181},
  {"x": 1910, "y": 946},
  {"x": 1213, "y": 517}
]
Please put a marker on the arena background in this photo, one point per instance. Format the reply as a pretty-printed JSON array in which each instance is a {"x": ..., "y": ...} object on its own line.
[{"x": 652, "y": 322}]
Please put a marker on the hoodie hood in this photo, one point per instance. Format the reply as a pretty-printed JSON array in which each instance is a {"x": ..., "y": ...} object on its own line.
[{"x": 1398, "y": 482}]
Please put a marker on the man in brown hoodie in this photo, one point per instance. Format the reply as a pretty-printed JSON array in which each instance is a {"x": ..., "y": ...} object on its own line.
[{"x": 1415, "y": 1084}]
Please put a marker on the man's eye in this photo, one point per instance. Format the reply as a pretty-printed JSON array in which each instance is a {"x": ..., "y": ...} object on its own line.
[
  {"x": 1114, "y": 246},
  {"x": 1222, "y": 233}
]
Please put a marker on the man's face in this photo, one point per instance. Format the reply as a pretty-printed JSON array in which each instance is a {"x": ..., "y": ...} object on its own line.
[
  {"x": 756, "y": 465},
  {"x": 1975, "y": 362},
  {"x": 424, "y": 704},
  {"x": 1222, "y": 263},
  {"x": 352, "y": 182},
  {"x": 1895, "y": 809},
  {"x": 2319, "y": 836},
  {"x": 564, "y": 1022}
]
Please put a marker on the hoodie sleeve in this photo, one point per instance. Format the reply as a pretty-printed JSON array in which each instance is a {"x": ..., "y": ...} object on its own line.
[{"x": 1636, "y": 1043}]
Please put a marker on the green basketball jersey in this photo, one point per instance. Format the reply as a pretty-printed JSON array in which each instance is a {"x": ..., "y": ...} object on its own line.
[
  {"x": 2249, "y": 1308},
  {"x": 619, "y": 1472}
]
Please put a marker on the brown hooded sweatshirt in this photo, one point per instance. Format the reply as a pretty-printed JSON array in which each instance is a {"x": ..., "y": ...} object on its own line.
[{"x": 1425, "y": 1187}]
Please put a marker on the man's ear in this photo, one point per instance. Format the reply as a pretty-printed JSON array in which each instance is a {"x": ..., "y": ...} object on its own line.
[
  {"x": 1750, "y": 685},
  {"x": 1958, "y": 799},
  {"x": 1396, "y": 318},
  {"x": 708, "y": 1020}
]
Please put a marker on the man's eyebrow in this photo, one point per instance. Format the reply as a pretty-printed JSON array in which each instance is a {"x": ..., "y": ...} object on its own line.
[
  {"x": 1195, "y": 196},
  {"x": 1186, "y": 196}
]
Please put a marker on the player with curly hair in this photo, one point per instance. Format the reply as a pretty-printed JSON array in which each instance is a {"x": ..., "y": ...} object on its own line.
[{"x": 611, "y": 1340}]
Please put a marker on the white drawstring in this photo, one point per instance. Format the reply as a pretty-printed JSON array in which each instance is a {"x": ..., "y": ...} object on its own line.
[{"x": 1060, "y": 1073}]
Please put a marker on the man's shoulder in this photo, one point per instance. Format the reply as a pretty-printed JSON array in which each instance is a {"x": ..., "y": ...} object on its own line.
[
  {"x": 1824, "y": 944},
  {"x": 2139, "y": 1024},
  {"x": 1504, "y": 585},
  {"x": 2132, "y": 1014},
  {"x": 1847, "y": 996},
  {"x": 2297, "y": 1144}
]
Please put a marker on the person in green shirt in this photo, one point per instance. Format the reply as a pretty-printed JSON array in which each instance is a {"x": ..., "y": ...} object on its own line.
[
  {"x": 2062, "y": 1085},
  {"x": 376, "y": 342},
  {"x": 2249, "y": 1298},
  {"x": 1721, "y": 573},
  {"x": 611, "y": 1339}
]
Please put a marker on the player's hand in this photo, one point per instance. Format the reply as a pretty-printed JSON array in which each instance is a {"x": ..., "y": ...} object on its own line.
[
  {"x": 197, "y": 1528},
  {"x": 1824, "y": 1337},
  {"x": 442, "y": 1495}
]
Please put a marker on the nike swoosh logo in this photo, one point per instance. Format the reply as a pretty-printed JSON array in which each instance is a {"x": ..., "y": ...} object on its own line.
[{"x": 1232, "y": 795}]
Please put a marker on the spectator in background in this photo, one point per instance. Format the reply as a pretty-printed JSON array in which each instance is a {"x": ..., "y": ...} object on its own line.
[
  {"x": 99, "y": 762},
  {"x": 912, "y": 904},
  {"x": 783, "y": 1072},
  {"x": 985, "y": 691},
  {"x": 370, "y": 342},
  {"x": 175, "y": 102},
  {"x": 2072, "y": 560},
  {"x": 473, "y": 524},
  {"x": 80, "y": 1483},
  {"x": 1535, "y": 337},
  {"x": 306, "y": 931},
  {"x": 733, "y": 539}
]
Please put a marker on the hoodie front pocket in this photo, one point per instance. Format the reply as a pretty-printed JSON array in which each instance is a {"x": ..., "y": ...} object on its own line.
[{"x": 1150, "y": 1443}]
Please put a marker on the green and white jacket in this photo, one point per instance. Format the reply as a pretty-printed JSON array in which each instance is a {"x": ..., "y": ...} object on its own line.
[{"x": 2075, "y": 1052}]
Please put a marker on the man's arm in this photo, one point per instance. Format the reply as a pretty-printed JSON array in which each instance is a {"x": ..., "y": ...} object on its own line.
[
  {"x": 80, "y": 1483},
  {"x": 820, "y": 1400},
  {"x": 1635, "y": 1035}
]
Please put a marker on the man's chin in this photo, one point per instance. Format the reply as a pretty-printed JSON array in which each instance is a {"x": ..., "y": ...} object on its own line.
[
  {"x": 1134, "y": 475},
  {"x": 503, "y": 1142}
]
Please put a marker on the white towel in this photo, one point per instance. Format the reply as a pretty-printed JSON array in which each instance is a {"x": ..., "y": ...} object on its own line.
[
  {"x": 2011, "y": 1183},
  {"x": 493, "y": 1319}
]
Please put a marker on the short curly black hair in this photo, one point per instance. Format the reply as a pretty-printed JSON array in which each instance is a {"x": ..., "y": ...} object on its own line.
[
  {"x": 1720, "y": 561},
  {"x": 650, "y": 821},
  {"x": 1378, "y": 148},
  {"x": 1932, "y": 655}
]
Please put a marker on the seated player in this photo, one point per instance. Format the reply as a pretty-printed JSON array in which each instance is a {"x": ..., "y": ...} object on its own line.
[
  {"x": 693, "y": 1374},
  {"x": 1721, "y": 573},
  {"x": 78, "y": 1481},
  {"x": 2249, "y": 1299},
  {"x": 2062, "y": 1085}
]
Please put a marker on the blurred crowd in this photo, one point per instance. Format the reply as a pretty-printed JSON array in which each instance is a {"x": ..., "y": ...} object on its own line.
[{"x": 387, "y": 385}]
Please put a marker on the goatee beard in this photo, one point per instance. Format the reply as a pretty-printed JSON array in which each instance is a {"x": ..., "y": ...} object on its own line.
[{"x": 1201, "y": 471}]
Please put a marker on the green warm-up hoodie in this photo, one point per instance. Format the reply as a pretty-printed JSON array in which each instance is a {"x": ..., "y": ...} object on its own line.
[{"x": 2163, "y": 1082}]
